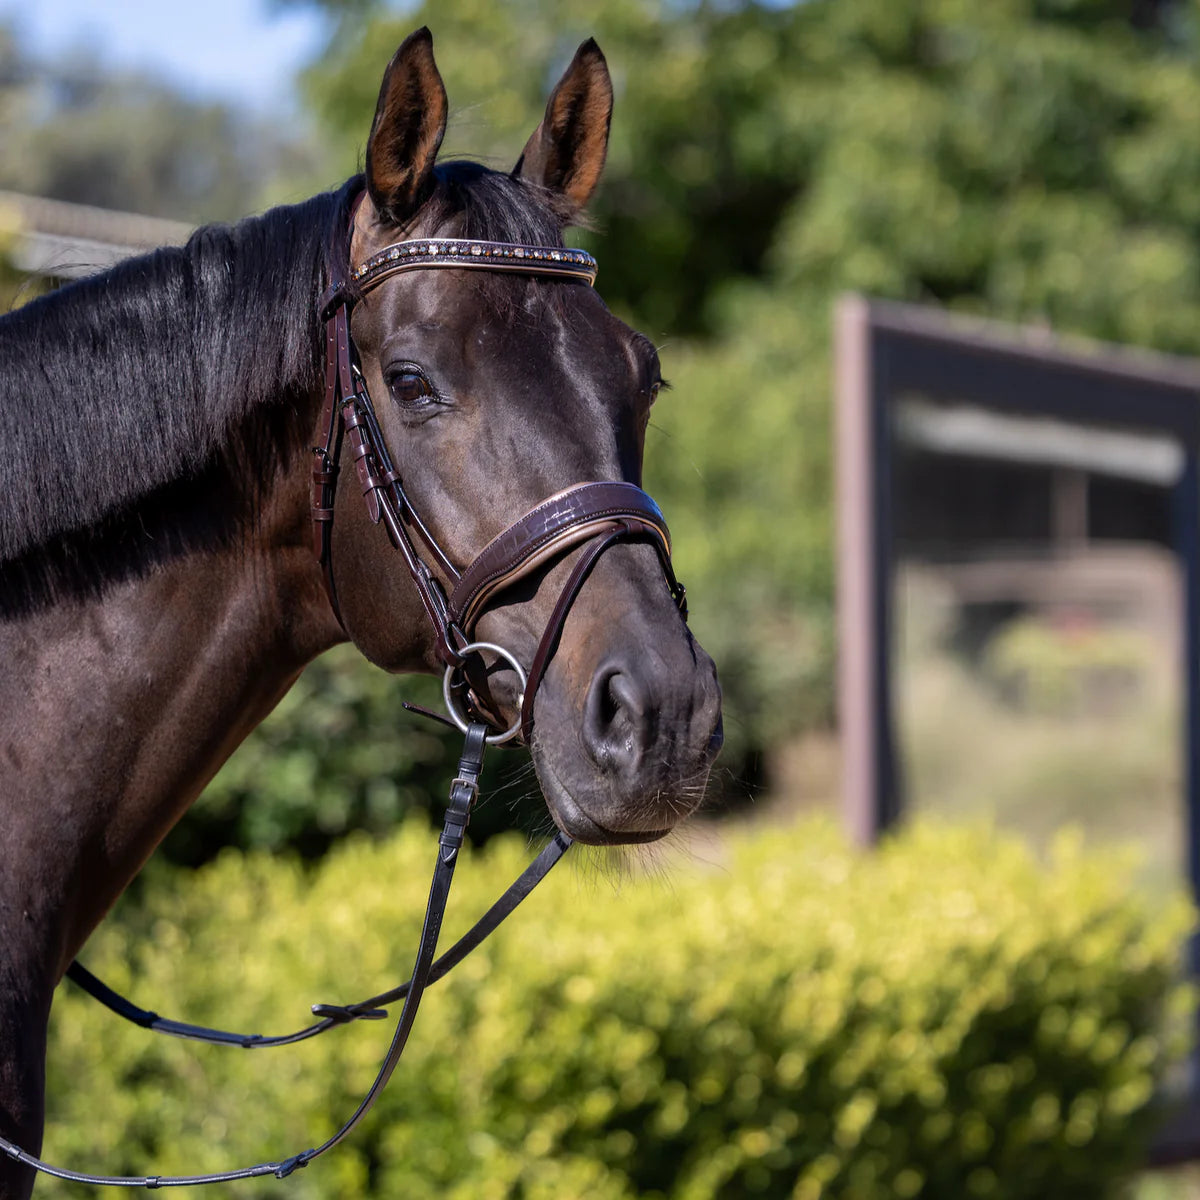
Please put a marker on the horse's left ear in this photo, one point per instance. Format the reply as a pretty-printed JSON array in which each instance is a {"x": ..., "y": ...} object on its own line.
[{"x": 566, "y": 152}]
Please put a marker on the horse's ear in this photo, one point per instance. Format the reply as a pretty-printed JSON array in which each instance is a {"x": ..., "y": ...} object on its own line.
[
  {"x": 410, "y": 120},
  {"x": 566, "y": 152}
]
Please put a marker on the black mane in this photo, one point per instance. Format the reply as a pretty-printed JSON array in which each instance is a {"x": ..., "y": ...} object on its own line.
[
  {"x": 144, "y": 406},
  {"x": 124, "y": 393},
  {"x": 475, "y": 202}
]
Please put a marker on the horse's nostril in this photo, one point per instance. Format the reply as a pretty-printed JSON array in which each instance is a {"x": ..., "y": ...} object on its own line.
[
  {"x": 617, "y": 719},
  {"x": 626, "y": 696}
]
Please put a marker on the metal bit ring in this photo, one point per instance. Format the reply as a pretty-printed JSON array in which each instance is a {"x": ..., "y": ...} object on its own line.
[{"x": 493, "y": 739}]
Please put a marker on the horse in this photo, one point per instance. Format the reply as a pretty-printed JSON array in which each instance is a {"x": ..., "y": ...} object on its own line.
[{"x": 158, "y": 588}]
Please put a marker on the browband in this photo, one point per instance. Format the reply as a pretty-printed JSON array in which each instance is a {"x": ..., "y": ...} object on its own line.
[{"x": 419, "y": 254}]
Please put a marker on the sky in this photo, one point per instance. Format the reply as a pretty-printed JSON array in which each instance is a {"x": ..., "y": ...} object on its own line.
[{"x": 240, "y": 50}]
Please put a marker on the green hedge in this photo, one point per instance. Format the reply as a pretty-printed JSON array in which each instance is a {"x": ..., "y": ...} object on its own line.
[{"x": 943, "y": 1018}]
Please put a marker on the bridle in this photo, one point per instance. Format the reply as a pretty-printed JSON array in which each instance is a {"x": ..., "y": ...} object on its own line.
[
  {"x": 594, "y": 515},
  {"x": 601, "y": 513}
]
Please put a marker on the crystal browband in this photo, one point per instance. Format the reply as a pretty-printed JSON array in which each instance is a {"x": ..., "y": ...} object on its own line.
[{"x": 463, "y": 252}]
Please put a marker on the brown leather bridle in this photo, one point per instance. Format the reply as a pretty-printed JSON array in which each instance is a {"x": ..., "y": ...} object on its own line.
[{"x": 599, "y": 513}]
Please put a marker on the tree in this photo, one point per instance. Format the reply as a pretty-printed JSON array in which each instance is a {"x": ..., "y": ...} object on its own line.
[{"x": 73, "y": 131}]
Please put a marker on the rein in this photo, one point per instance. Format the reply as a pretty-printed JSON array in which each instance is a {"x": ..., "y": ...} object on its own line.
[{"x": 593, "y": 515}]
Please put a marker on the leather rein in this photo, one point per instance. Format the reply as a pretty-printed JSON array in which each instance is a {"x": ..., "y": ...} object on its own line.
[{"x": 593, "y": 515}]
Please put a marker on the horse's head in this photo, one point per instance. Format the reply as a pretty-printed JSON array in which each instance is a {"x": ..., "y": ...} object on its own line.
[{"x": 494, "y": 391}]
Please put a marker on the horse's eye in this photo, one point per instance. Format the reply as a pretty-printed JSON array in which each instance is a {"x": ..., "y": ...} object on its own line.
[
  {"x": 655, "y": 388},
  {"x": 410, "y": 388}
]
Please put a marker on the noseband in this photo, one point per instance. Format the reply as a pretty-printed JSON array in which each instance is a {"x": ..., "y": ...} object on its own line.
[{"x": 597, "y": 514}]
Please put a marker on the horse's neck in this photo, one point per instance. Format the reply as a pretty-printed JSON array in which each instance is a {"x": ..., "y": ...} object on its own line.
[{"x": 115, "y": 712}]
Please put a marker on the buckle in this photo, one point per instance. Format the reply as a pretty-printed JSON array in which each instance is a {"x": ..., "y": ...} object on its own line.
[{"x": 471, "y": 784}]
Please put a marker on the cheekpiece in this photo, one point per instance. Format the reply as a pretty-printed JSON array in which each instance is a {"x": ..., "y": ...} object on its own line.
[{"x": 461, "y": 253}]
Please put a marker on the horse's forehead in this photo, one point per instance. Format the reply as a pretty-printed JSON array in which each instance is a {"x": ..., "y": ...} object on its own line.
[{"x": 506, "y": 315}]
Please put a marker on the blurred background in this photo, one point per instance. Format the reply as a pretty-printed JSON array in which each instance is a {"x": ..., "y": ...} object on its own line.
[{"x": 1034, "y": 162}]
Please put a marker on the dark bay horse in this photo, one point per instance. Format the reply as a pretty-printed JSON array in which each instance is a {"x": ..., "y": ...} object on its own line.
[{"x": 158, "y": 590}]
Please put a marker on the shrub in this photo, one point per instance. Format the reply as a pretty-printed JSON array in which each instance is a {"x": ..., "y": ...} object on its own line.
[
  {"x": 1076, "y": 669},
  {"x": 942, "y": 1018}
]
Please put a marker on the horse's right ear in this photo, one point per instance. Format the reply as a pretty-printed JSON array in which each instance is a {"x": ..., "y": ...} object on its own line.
[{"x": 410, "y": 121}]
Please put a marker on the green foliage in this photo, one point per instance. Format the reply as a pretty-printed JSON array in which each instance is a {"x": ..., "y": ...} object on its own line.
[
  {"x": 945, "y": 1018},
  {"x": 739, "y": 459},
  {"x": 1050, "y": 726},
  {"x": 13, "y": 287},
  {"x": 1064, "y": 671},
  {"x": 340, "y": 753},
  {"x": 74, "y": 131}
]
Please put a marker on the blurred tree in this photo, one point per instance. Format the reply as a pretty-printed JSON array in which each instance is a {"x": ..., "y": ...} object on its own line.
[
  {"x": 1035, "y": 160},
  {"x": 73, "y": 130}
]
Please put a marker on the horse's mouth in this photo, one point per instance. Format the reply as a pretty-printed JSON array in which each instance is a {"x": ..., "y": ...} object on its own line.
[{"x": 570, "y": 816}]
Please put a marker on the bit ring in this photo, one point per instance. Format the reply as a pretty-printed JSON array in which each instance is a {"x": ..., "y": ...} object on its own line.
[{"x": 492, "y": 739}]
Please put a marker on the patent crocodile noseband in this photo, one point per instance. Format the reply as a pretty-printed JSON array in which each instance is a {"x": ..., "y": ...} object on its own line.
[{"x": 597, "y": 513}]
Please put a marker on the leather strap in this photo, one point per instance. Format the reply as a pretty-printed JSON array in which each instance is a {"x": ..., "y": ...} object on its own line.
[
  {"x": 327, "y": 452},
  {"x": 419, "y": 254},
  {"x": 463, "y": 791},
  {"x": 346, "y": 395},
  {"x": 618, "y": 530},
  {"x": 331, "y": 1015},
  {"x": 556, "y": 524}
]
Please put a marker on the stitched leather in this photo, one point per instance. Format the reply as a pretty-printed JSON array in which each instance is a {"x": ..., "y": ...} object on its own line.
[
  {"x": 625, "y": 528},
  {"x": 563, "y": 520}
]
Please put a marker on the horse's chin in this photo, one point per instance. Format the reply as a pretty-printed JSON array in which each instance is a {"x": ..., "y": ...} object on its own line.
[{"x": 592, "y": 823}]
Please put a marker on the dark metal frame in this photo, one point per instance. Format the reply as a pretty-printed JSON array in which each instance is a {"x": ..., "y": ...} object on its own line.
[{"x": 885, "y": 350}]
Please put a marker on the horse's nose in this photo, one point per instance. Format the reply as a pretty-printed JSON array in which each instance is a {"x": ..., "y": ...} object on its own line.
[{"x": 619, "y": 719}]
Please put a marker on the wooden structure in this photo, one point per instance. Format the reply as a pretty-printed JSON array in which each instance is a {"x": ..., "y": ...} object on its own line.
[
  {"x": 56, "y": 240},
  {"x": 1136, "y": 412}
]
